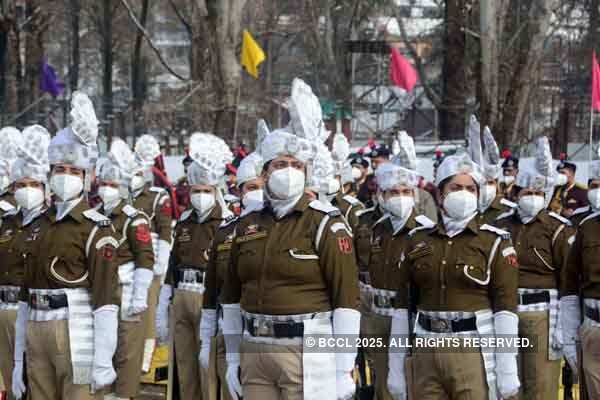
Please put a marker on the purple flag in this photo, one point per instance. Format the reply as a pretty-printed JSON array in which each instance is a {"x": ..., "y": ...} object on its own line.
[{"x": 49, "y": 81}]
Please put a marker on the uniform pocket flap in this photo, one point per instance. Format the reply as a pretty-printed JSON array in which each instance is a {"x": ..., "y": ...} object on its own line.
[{"x": 299, "y": 255}]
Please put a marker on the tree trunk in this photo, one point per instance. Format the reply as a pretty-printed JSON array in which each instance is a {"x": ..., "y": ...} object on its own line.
[
  {"x": 75, "y": 12},
  {"x": 138, "y": 77},
  {"x": 34, "y": 54},
  {"x": 454, "y": 98},
  {"x": 107, "y": 69}
]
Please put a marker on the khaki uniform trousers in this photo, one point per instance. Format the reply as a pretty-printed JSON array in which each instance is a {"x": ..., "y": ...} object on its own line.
[
  {"x": 378, "y": 326},
  {"x": 49, "y": 367},
  {"x": 448, "y": 373},
  {"x": 128, "y": 358},
  {"x": 271, "y": 372},
  {"x": 149, "y": 319},
  {"x": 221, "y": 367},
  {"x": 590, "y": 363},
  {"x": 539, "y": 376},
  {"x": 194, "y": 383},
  {"x": 7, "y": 348}
]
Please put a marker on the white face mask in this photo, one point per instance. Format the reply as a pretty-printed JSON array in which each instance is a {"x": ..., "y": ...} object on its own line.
[
  {"x": 356, "y": 173},
  {"x": 137, "y": 182},
  {"x": 4, "y": 183},
  {"x": 203, "y": 202},
  {"x": 333, "y": 187},
  {"x": 29, "y": 197},
  {"x": 66, "y": 187},
  {"x": 487, "y": 194},
  {"x": 286, "y": 183},
  {"x": 110, "y": 196},
  {"x": 561, "y": 180},
  {"x": 508, "y": 179},
  {"x": 253, "y": 198},
  {"x": 594, "y": 198},
  {"x": 460, "y": 205},
  {"x": 400, "y": 206},
  {"x": 530, "y": 206}
]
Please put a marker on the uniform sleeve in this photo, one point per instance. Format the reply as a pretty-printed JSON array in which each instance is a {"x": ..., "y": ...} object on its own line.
[
  {"x": 103, "y": 269},
  {"x": 232, "y": 287},
  {"x": 338, "y": 263},
  {"x": 560, "y": 251},
  {"x": 164, "y": 218},
  {"x": 352, "y": 217},
  {"x": 569, "y": 281},
  {"x": 362, "y": 243},
  {"x": 210, "y": 284},
  {"x": 140, "y": 242},
  {"x": 173, "y": 262},
  {"x": 504, "y": 278}
]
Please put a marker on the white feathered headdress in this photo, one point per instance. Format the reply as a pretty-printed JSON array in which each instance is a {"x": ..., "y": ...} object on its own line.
[
  {"x": 406, "y": 154},
  {"x": 306, "y": 113},
  {"x": 33, "y": 155},
  {"x": 83, "y": 121},
  {"x": 210, "y": 155},
  {"x": 146, "y": 150},
  {"x": 321, "y": 179},
  {"x": 9, "y": 140},
  {"x": 541, "y": 176}
]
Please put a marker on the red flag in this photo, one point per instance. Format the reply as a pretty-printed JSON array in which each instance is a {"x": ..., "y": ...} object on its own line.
[
  {"x": 595, "y": 83},
  {"x": 402, "y": 72}
]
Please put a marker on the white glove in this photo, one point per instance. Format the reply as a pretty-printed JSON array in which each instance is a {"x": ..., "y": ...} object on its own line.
[
  {"x": 18, "y": 385},
  {"x": 162, "y": 258},
  {"x": 232, "y": 331},
  {"x": 396, "y": 380},
  {"x": 106, "y": 323},
  {"x": 570, "y": 317},
  {"x": 507, "y": 377},
  {"x": 346, "y": 321},
  {"x": 142, "y": 279},
  {"x": 162, "y": 313},
  {"x": 208, "y": 325}
]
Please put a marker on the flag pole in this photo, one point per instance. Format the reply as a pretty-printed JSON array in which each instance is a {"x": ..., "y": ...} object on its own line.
[{"x": 591, "y": 131}]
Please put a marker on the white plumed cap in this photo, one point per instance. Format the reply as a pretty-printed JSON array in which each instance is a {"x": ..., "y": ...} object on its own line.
[
  {"x": 541, "y": 175},
  {"x": 250, "y": 168},
  {"x": 210, "y": 155},
  {"x": 458, "y": 164},
  {"x": 33, "y": 155}
]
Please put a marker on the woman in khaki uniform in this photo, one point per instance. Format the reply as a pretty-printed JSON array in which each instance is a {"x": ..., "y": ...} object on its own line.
[
  {"x": 541, "y": 240},
  {"x": 464, "y": 277},
  {"x": 292, "y": 274},
  {"x": 581, "y": 284},
  {"x": 250, "y": 183},
  {"x": 185, "y": 282}
]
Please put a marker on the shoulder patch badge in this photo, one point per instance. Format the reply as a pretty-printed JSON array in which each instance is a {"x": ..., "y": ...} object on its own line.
[{"x": 345, "y": 245}]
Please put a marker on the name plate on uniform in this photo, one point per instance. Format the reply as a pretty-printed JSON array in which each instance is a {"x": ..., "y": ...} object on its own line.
[{"x": 253, "y": 236}]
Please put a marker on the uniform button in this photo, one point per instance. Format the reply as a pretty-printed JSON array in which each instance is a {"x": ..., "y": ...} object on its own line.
[
  {"x": 449, "y": 242},
  {"x": 444, "y": 262},
  {"x": 470, "y": 268}
]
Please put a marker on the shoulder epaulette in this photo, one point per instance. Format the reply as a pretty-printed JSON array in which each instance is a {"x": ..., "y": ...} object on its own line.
[
  {"x": 589, "y": 217},
  {"x": 228, "y": 220},
  {"x": 130, "y": 211},
  {"x": 560, "y": 218},
  {"x": 5, "y": 206},
  {"x": 581, "y": 210},
  {"x": 157, "y": 189},
  {"x": 95, "y": 216},
  {"x": 325, "y": 208},
  {"x": 424, "y": 221},
  {"x": 380, "y": 220},
  {"x": 581, "y": 186},
  {"x": 418, "y": 229},
  {"x": 352, "y": 200},
  {"x": 364, "y": 211},
  {"x": 506, "y": 214},
  {"x": 508, "y": 203},
  {"x": 500, "y": 232},
  {"x": 185, "y": 215}
]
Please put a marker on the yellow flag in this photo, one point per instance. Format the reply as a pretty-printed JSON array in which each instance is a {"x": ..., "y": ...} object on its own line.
[{"x": 252, "y": 54}]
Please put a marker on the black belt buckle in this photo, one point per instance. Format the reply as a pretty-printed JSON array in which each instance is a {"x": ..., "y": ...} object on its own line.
[
  {"x": 261, "y": 327},
  {"x": 440, "y": 325},
  {"x": 9, "y": 296},
  {"x": 191, "y": 276},
  {"x": 40, "y": 302},
  {"x": 382, "y": 301},
  {"x": 533, "y": 298}
]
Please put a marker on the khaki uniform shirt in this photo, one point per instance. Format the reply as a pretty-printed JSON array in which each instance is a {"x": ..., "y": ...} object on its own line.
[
  {"x": 362, "y": 236},
  {"x": 542, "y": 248},
  {"x": 132, "y": 230},
  {"x": 582, "y": 275},
  {"x": 17, "y": 244},
  {"x": 218, "y": 265},
  {"x": 459, "y": 273},
  {"x": 77, "y": 252},
  {"x": 348, "y": 205},
  {"x": 500, "y": 207},
  {"x": 193, "y": 242},
  {"x": 572, "y": 197},
  {"x": 509, "y": 192},
  {"x": 282, "y": 267},
  {"x": 156, "y": 204}
]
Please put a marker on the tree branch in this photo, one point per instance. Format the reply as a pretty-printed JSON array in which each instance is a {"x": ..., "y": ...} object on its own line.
[
  {"x": 185, "y": 23},
  {"x": 149, "y": 41}
]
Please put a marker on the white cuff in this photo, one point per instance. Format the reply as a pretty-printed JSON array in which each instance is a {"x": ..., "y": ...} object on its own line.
[
  {"x": 162, "y": 261},
  {"x": 208, "y": 324},
  {"x": 233, "y": 328},
  {"x": 142, "y": 279},
  {"x": 346, "y": 321},
  {"x": 106, "y": 323},
  {"x": 21, "y": 330}
]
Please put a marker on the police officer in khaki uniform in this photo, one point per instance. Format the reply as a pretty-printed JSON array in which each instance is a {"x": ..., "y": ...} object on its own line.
[
  {"x": 542, "y": 242},
  {"x": 388, "y": 239},
  {"x": 293, "y": 273},
  {"x": 212, "y": 353},
  {"x": 156, "y": 204},
  {"x": 510, "y": 169},
  {"x": 71, "y": 284},
  {"x": 135, "y": 260},
  {"x": 346, "y": 202},
  {"x": 581, "y": 284},
  {"x": 20, "y": 228},
  {"x": 194, "y": 234},
  {"x": 465, "y": 279},
  {"x": 569, "y": 195}
]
